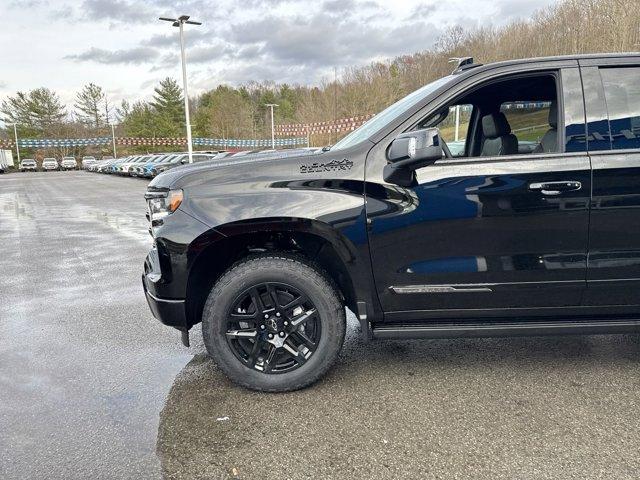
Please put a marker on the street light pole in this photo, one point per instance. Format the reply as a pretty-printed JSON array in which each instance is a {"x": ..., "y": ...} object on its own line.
[
  {"x": 179, "y": 22},
  {"x": 15, "y": 134},
  {"x": 113, "y": 139},
  {"x": 273, "y": 134}
]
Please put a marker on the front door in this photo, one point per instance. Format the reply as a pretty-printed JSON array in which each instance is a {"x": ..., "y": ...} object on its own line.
[{"x": 488, "y": 232}]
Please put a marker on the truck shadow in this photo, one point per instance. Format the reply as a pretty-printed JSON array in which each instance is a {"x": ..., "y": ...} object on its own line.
[{"x": 505, "y": 407}]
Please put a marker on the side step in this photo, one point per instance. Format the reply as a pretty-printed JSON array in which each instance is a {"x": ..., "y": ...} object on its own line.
[{"x": 505, "y": 329}]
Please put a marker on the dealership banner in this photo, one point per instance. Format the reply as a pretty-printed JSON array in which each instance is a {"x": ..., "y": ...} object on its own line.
[
  {"x": 62, "y": 142},
  {"x": 249, "y": 143},
  {"x": 152, "y": 142},
  {"x": 332, "y": 126}
]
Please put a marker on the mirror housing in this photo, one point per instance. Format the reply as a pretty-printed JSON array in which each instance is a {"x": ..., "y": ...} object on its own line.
[{"x": 409, "y": 152}]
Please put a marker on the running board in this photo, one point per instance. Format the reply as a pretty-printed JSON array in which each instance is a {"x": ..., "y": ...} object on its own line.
[{"x": 505, "y": 329}]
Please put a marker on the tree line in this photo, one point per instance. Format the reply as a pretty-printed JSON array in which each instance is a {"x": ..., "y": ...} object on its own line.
[{"x": 571, "y": 26}]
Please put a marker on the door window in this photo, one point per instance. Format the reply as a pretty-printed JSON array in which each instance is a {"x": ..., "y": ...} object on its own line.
[
  {"x": 454, "y": 128},
  {"x": 513, "y": 116},
  {"x": 622, "y": 94},
  {"x": 530, "y": 121}
]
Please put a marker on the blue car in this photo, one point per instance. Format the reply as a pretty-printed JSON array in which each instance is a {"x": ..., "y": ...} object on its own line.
[{"x": 145, "y": 169}]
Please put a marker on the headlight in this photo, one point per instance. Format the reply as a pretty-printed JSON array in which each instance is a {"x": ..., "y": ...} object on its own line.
[{"x": 161, "y": 204}]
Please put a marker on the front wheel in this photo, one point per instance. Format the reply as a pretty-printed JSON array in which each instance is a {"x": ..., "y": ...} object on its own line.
[{"x": 274, "y": 323}]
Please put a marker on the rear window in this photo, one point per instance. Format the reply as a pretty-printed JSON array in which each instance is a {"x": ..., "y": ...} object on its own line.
[{"x": 622, "y": 94}]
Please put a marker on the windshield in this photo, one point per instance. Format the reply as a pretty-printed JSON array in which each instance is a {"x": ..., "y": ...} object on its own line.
[{"x": 381, "y": 119}]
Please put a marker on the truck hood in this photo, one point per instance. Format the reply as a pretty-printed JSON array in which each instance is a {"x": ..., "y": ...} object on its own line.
[{"x": 253, "y": 166}]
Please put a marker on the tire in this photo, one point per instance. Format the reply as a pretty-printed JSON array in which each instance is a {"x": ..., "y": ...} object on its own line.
[{"x": 282, "y": 277}]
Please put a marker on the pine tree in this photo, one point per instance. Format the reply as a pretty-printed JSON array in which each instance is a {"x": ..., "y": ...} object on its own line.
[
  {"x": 39, "y": 110},
  {"x": 141, "y": 121},
  {"x": 169, "y": 107},
  {"x": 123, "y": 111},
  {"x": 90, "y": 103}
]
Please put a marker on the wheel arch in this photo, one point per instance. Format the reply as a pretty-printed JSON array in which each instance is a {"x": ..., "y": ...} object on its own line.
[{"x": 218, "y": 249}]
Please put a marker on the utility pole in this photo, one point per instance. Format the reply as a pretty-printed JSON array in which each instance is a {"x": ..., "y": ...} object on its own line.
[
  {"x": 15, "y": 134},
  {"x": 179, "y": 22},
  {"x": 335, "y": 103},
  {"x": 113, "y": 139},
  {"x": 273, "y": 135}
]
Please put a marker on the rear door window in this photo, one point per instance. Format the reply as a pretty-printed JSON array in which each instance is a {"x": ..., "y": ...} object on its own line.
[{"x": 622, "y": 95}]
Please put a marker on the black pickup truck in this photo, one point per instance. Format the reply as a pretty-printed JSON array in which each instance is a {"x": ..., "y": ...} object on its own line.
[{"x": 529, "y": 224}]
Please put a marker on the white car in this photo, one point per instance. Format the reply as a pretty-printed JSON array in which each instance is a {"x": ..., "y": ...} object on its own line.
[
  {"x": 28, "y": 165},
  {"x": 69, "y": 163},
  {"x": 88, "y": 161},
  {"x": 50, "y": 164}
]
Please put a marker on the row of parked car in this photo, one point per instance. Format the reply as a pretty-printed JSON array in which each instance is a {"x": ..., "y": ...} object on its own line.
[
  {"x": 51, "y": 163},
  {"x": 151, "y": 165},
  {"x": 144, "y": 166}
]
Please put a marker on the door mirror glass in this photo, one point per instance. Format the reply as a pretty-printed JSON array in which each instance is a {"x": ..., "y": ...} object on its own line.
[{"x": 411, "y": 151}]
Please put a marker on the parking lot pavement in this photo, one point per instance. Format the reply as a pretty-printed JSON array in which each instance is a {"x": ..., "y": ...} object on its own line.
[{"x": 92, "y": 387}]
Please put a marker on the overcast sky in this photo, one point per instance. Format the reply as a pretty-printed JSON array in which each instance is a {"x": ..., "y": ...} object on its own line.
[{"x": 121, "y": 45}]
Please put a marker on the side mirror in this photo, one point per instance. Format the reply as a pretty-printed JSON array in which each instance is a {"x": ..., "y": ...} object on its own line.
[
  {"x": 409, "y": 152},
  {"x": 184, "y": 160}
]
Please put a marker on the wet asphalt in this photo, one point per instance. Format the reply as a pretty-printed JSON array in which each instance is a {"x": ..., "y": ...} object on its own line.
[{"x": 91, "y": 386}]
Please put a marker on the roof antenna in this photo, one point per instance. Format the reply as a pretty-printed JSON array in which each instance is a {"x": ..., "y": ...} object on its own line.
[{"x": 461, "y": 63}]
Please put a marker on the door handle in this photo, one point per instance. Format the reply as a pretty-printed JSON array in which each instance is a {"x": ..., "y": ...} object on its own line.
[{"x": 555, "y": 188}]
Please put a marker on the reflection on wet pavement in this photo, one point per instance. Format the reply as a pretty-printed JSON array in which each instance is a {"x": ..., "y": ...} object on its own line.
[{"x": 84, "y": 368}]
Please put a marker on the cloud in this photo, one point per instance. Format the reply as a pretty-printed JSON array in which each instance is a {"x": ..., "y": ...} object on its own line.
[
  {"x": 118, "y": 11},
  {"x": 192, "y": 37},
  {"x": 509, "y": 10},
  {"x": 135, "y": 56},
  {"x": 322, "y": 40},
  {"x": 25, "y": 3}
]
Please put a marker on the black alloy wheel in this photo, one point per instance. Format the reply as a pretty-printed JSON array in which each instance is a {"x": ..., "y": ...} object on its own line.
[{"x": 273, "y": 328}]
